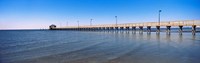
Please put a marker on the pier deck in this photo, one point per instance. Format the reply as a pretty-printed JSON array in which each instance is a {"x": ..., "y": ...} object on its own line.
[{"x": 132, "y": 26}]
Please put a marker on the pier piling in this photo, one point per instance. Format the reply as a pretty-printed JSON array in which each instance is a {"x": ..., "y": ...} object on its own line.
[
  {"x": 158, "y": 29},
  {"x": 193, "y": 29},
  {"x": 141, "y": 29},
  {"x": 111, "y": 28},
  {"x": 116, "y": 28},
  {"x": 180, "y": 29},
  {"x": 134, "y": 29},
  {"x": 168, "y": 30},
  {"x": 148, "y": 28},
  {"x": 121, "y": 28},
  {"x": 127, "y": 28}
]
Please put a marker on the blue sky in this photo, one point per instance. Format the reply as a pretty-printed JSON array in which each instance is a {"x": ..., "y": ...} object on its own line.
[{"x": 31, "y": 14}]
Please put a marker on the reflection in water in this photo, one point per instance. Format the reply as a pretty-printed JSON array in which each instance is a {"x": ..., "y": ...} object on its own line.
[
  {"x": 148, "y": 36},
  {"x": 193, "y": 38},
  {"x": 168, "y": 38},
  {"x": 102, "y": 47},
  {"x": 181, "y": 38}
]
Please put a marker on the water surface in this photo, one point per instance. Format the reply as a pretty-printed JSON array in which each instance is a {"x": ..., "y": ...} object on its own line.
[{"x": 57, "y": 46}]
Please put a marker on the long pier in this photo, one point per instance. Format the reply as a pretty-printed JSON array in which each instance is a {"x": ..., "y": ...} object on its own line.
[{"x": 132, "y": 26}]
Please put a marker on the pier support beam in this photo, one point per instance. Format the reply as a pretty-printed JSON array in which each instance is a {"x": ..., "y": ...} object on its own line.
[
  {"x": 111, "y": 28},
  {"x": 141, "y": 29},
  {"x": 80, "y": 29},
  {"x": 99, "y": 28},
  {"x": 134, "y": 29},
  {"x": 148, "y": 28},
  {"x": 180, "y": 29},
  {"x": 121, "y": 28},
  {"x": 103, "y": 28},
  {"x": 157, "y": 29},
  {"x": 127, "y": 28},
  {"x": 95, "y": 28},
  {"x": 116, "y": 28},
  {"x": 83, "y": 29},
  {"x": 90, "y": 29},
  {"x": 87, "y": 29},
  {"x": 193, "y": 29},
  {"x": 168, "y": 29},
  {"x": 107, "y": 28}
]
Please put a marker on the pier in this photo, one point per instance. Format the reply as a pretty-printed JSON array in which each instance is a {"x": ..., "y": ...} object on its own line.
[{"x": 132, "y": 26}]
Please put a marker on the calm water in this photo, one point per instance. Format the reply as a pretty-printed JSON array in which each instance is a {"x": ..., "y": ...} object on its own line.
[{"x": 98, "y": 47}]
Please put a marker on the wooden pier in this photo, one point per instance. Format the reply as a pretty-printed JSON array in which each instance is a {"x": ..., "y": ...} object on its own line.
[{"x": 132, "y": 26}]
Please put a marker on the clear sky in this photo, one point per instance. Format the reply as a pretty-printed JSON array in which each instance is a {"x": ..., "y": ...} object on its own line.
[{"x": 31, "y": 14}]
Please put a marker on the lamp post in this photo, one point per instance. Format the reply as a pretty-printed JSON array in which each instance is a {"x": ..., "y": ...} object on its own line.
[
  {"x": 78, "y": 23},
  {"x": 91, "y": 22},
  {"x": 67, "y": 23},
  {"x": 159, "y": 16},
  {"x": 116, "y": 20}
]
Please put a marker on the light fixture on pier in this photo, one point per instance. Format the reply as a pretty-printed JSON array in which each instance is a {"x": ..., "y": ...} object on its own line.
[
  {"x": 116, "y": 20},
  {"x": 78, "y": 23},
  {"x": 91, "y": 22},
  {"x": 159, "y": 16},
  {"x": 67, "y": 23}
]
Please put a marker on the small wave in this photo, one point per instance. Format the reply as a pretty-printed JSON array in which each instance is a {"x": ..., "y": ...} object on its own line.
[{"x": 47, "y": 51}]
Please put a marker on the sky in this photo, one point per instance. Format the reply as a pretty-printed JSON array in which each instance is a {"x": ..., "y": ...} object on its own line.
[{"x": 39, "y": 14}]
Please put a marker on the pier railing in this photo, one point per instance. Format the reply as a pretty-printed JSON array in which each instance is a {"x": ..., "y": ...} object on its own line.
[
  {"x": 165, "y": 23},
  {"x": 132, "y": 26}
]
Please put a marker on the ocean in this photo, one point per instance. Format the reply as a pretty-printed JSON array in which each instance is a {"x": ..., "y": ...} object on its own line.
[{"x": 62, "y": 46}]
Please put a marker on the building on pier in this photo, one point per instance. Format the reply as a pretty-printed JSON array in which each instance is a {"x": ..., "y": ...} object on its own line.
[{"x": 51, "y": 27}]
